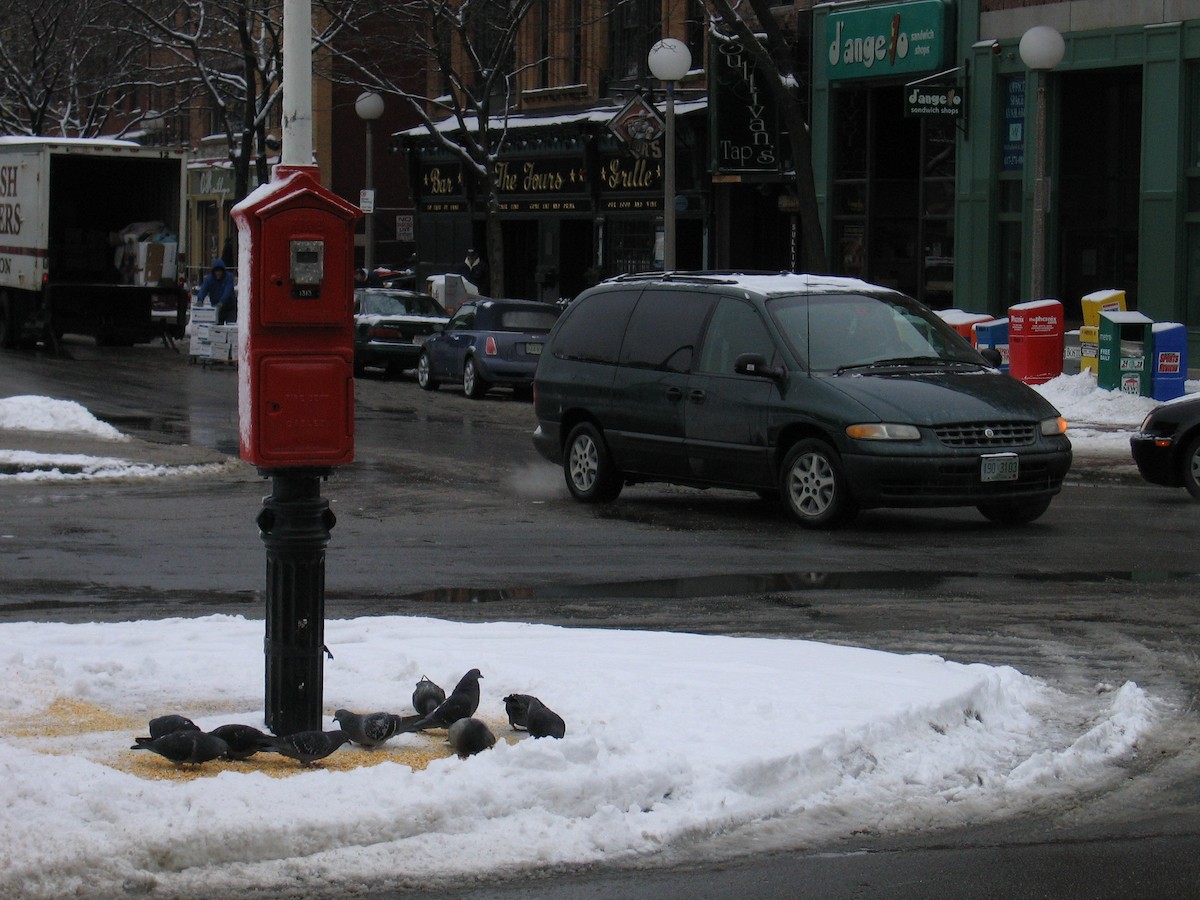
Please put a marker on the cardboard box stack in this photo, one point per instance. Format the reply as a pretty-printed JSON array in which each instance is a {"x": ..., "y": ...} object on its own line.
[{"x": 204, "y": 319}]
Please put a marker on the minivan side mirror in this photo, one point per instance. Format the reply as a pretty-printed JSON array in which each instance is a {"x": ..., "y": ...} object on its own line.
[
  {"x": 756, "y": 364},
  {"x": 992, "y": 356}
]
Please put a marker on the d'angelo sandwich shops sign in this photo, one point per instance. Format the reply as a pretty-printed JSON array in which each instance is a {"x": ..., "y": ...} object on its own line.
[{"x": 881, "y": 41}]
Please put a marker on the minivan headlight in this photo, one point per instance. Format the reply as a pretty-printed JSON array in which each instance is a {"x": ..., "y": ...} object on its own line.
[
  {"x": 883, "y": 431},
  {"x": 1051, "y": 427}
]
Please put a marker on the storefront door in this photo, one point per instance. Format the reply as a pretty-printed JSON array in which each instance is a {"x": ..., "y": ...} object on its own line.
[
  {"x": 1099, "y": 168},
  {"x": 893, "y": 194}
]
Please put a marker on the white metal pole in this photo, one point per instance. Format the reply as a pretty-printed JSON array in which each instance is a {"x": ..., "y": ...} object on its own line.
[{"x": 297, "y": 83}]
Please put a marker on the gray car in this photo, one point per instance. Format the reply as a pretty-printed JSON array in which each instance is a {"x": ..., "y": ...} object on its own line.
[{"x": 391, "y": 326}]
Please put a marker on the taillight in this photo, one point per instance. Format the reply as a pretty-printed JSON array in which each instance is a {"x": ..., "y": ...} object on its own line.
[{"x": 489, "y": 346}]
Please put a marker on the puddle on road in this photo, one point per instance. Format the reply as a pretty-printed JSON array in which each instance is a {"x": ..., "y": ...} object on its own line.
[{"x": 728, "y": 585}]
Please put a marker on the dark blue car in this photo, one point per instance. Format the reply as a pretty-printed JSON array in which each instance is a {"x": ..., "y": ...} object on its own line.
[{"x": 488, "y": 343}]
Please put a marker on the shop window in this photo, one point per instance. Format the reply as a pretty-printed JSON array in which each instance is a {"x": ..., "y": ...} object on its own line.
[
  {"x": 1191, "y": 310},
  {"x": 893, "y": 195},
  {"x": 631, "y": 247}
]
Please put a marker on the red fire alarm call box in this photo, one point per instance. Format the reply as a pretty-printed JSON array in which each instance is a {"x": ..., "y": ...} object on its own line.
[{"x": 296, "y": 312}]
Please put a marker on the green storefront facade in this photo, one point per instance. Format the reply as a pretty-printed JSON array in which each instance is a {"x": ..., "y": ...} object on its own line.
[{"x": 939, "y": 201}]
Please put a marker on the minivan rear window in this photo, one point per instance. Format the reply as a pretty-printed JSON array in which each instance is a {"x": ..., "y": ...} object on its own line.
[
  {"x": 665, "y": 329},
  {"x": 592, "y": 331}
]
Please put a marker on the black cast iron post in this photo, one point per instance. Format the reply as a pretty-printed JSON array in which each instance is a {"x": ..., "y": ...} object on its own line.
[{"x": 294, "y": 524}]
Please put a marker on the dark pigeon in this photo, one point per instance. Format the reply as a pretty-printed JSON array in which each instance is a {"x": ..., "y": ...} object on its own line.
[
  {"x": 243, "y": 740},
  {"x": 164, "y": 725},
  {"x": 469, "y": 736},
  {"x": 541, "y": 721},
  {"x": 372, "y": 729},
  {"x": 184, "y": 746},
  {"x": 517, "y": 707},
  {"x": 462, "y": 702},
  {"x": 306, "y": 747},
  {"x": 427, "y": 696}
]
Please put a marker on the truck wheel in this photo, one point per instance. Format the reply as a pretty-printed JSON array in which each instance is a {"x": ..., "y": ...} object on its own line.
[
  {"x": 814, "y": 486},
  {"x": 1014, "y": 512},
  {"x": 591, "y": 475},
  {"x": 425, "y": 373}
]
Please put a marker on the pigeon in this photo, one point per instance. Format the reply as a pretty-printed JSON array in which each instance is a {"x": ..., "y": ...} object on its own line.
[
  {"x": 243, "y": 740},
  {"x": 541, "y": 721},
  {"x": 517, "y": 707},
  {"x": 462, "y": 702},
  {"x": 163, "y": 725},
  {"x": 185, "y": 746},
  {"x": 306, "y": 747},
  {"x": 426, "y": 696},
  {"x": 372, "y": 729},
  {"x": 468, "y": 736}
]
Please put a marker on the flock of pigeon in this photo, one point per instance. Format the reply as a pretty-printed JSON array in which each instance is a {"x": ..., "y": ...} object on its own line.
[{"x": 180, "y": 740}]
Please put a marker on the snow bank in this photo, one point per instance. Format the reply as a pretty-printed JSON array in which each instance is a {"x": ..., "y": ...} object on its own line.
[
  {"x": 670, "y": 738},
  {"x": 30, "y": 413}
]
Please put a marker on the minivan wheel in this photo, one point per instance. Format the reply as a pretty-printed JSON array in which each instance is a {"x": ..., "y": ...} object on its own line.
[
  {"x": 1014, "y": 512},
  {"x": 1191, "y": 468},
  {"x": 813, "y": 485},
  {"x": 473, "y": 386},
  {"x": 425, "y": 374},
  {"x": 591, "y": 475}
]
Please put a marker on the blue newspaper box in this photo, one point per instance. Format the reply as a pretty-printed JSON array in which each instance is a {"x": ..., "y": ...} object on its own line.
[
  {"x": 994, "y": 335},
  {"x": 1170, "y": 363}
]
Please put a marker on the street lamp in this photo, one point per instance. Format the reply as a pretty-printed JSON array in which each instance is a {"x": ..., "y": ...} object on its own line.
[
  {"x": 1041, "y": 50},
  {"x": 369, "y": 107},
  {"x": 669, "y": 61}
]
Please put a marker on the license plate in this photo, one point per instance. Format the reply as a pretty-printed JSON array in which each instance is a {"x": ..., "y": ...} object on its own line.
[
  {"x": 999, "y": 467},
  {"x": 533, "y": 349}
]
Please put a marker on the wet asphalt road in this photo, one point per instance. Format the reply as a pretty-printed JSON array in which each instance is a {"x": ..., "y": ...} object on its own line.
[{"x": 449, "y": 512}]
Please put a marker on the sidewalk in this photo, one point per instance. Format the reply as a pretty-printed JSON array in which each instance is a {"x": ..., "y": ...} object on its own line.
[
  {"x": 55, "y": 445},
  {"x": 1091, "y": 462}
]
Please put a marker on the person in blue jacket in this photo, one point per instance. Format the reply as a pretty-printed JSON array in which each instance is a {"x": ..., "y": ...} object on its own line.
[{"x": 218, "y": 289}]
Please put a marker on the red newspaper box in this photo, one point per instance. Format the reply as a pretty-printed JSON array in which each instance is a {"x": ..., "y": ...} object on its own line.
[
  {"x": 296, "y": 315},
  {"x": 1035, "y": 341}
]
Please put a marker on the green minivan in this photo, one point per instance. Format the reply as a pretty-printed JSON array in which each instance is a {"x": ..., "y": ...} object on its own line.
[{"x": 834, "y": 394}]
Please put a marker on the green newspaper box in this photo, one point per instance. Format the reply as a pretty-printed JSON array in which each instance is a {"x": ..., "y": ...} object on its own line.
[{"x": 1126, "y": 346}]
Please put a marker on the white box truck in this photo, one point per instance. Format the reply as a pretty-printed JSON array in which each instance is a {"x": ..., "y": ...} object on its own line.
[{"x": 73, "y": 259}]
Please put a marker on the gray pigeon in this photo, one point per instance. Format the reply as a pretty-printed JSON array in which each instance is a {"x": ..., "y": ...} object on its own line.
[
  {"x": 426, "y": 696},
  {"x": 163, "y": 725},
  {"x": 243, "y": 740},
  {"x": 462, "y": 702},
  {"x": 184, "y": 746},
  {"x": 541, "y": 721},
  {"x": 372, "y": 729},
  {"x": 517, "y": 707},
  {"x": 469, "y": 736},
  {"x": 306, "y": 747}
]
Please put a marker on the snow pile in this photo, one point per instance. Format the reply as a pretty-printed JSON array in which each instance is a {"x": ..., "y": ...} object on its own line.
[
  {"x": 30, "y": 413},
  {"x": 1099, "y": 420},
  {"x": 27, "y": 465},
  {"x": 673, "y": 740}
]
